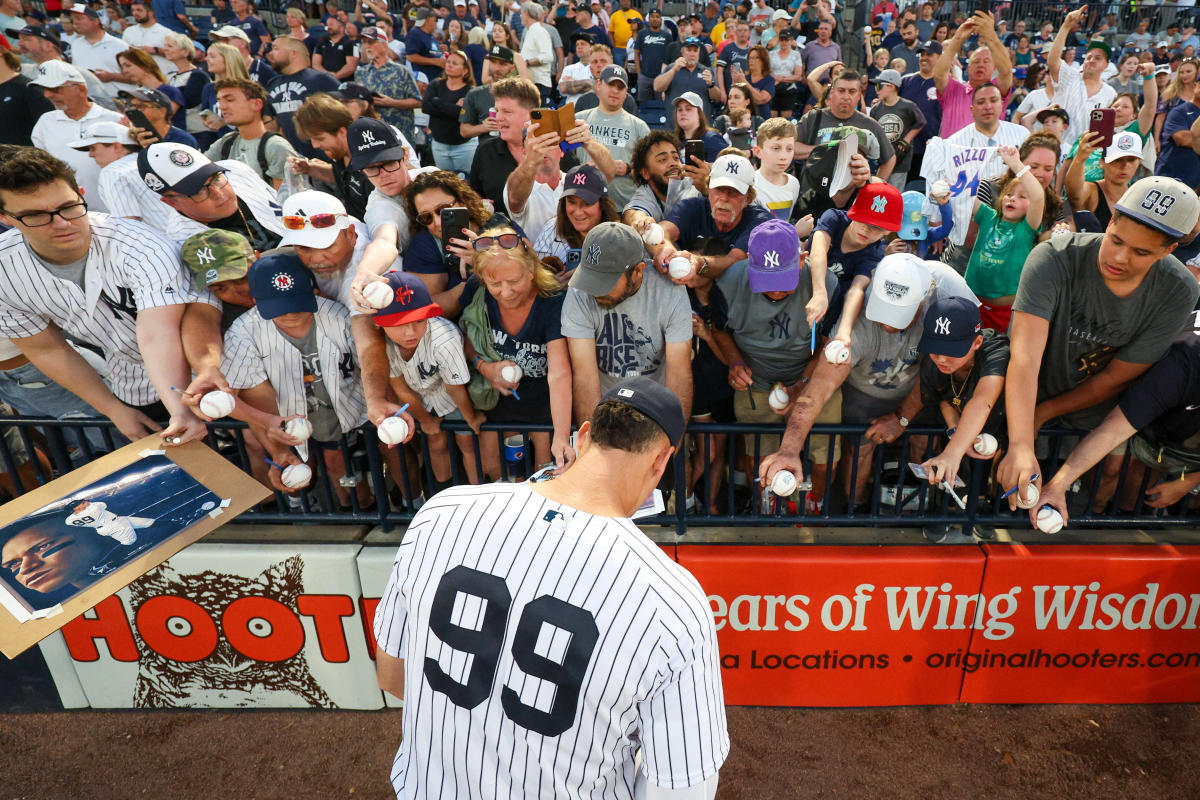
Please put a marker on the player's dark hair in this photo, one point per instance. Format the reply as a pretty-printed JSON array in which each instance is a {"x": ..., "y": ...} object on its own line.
[
  {"x": 618, "y": 426},
  {"x": 641, "y": 152},
  {"x": 1167, "y": 239},
  {"x": 25, "y": 168}
]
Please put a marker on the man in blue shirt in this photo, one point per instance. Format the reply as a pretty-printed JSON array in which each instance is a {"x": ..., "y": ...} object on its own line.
[
  {"x": 171, "y": 14},
  {"x": 295, "y": 82},
  {"x": 420, "y": 48},
  {"x": 1178, "y": 160},
  {"x": 649, "y": 55},
  {"x": 920, "y": 88},
  {"x": 733, "y": 56},
  {"x": 253, "y": 26},
  {"x": 587, "y": 24}
]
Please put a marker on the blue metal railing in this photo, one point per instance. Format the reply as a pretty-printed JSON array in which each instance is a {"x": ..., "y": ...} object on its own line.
[{"x": 893, "y": 496}]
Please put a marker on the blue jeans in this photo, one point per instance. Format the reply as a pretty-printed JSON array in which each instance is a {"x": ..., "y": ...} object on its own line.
[
  {"x": 27, "y": 389},
  {"x": 454, "y": 157}
]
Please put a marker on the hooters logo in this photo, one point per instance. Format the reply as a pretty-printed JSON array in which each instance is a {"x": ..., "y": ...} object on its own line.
[{"x": 283, "y": 281}]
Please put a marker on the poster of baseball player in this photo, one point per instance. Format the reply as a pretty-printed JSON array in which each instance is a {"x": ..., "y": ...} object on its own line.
[{"x": 60, "y": 543}]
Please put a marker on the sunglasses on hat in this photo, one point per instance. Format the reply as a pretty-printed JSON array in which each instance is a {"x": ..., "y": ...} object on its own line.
[{"x": 295, "y": 222}]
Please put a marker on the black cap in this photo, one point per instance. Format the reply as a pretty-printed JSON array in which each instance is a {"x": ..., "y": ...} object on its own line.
[
  {"x": 350, "y": 90},
  {"x": 786, "y": 33},
  {"x": 38, "y": 31},
  {"x": 372, "y": 141},
  {"x": 501, "y": 53},
  {"x": 654, "y": 400},
  {"x": 149, "y": 95},
  {"x": 584, "y": 35},
  {"x": 930, "y": 47}
]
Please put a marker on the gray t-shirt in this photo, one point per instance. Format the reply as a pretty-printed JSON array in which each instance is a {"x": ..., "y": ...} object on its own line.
[
  {"x": 72, "y": 272},
  {"x": 321, "y": 414},
  {"x": 476, "y": 105},
  {"x": 631, "y": 337},
  {"x": 618, "y": 133},
  {"x": 1089, "y": 325},
  {"x": 644, "y": 198},
  {"x": 774, "y": 337},
  {"x": 278, "y": 149}
]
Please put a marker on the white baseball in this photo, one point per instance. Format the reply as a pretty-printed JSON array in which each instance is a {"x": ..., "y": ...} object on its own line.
[
  {"x": 296, "y": 476},
  {"x": 394, "y": 430},
  {"x": 680, "y": 267},
  {"x": 784, "y": 483},
  {"x": 778, "y": 399},
  {"x": 940, "y": 188},
  {"x": 378, "y": 294},
  {"x": 986, "y": 445},
  {"x": 653, "y": 234},
  {"x": 1028, "y": 497},
  {"x": 298, "y": 428},
  {"x": 217, "y": 404},
  {"x": 836, "y": 352},
  {"x": 511, "y": 373},
  {"x": 1049, "y": 520}
]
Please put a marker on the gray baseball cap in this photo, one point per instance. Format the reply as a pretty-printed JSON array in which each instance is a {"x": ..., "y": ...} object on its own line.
[
  {"x": 888, "y": 76},
  {"x": 1162, "y": 203},
  {"x": 609, "y": 249}
]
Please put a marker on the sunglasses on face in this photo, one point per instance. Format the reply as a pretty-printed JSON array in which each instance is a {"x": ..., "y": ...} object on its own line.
[
  {"x": 426, "y": 217},
  {"x": 294, "y": 222},
  {"x": 506, "y": 241}
]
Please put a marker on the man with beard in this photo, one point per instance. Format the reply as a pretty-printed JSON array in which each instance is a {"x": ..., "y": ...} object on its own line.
[
  {"x": 295, "y": 82},
  {"x": 714, "y": 231},
  {"x": 622, "y": 320},
  {"x": 42, "y": 44},
  {"x": 336, "y": 54},
  {"x": 324, "y": 122},
  {"x": 1079, "y": 89},
  {"x": 149, "y": 35},
  {"x": 661, "y": 184}
]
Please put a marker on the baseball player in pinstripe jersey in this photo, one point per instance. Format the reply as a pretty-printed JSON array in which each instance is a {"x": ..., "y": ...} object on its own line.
[
  {"x": 543, "y": 645},
  {"x": 111, "y": 282}
]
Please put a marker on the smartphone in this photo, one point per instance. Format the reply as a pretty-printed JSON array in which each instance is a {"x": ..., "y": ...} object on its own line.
[
  {"x": 454, "y": 222},
  {"x": 139, "y": 120},
  {"x": 1102, "y": 122},
  {"x": 536, "y": 116},
  {"x": 693, "y": 147}
]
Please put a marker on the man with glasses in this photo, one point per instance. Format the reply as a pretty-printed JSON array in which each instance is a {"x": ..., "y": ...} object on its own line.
[
  {"x": 225, "y": 195},
  {"x": 158, "y": 110},
  {"x": 110, "y": 282},
  {"x": 73, "y": 112}
]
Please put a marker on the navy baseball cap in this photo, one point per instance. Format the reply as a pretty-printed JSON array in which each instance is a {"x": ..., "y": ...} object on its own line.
[
  {"x": 951, "y": 325},
  {"x": 349, "y": 90},
  {"x": 281, "y": 284},
  {"x": 372, "y": 141},
  {"x": 411, "y": 301},
  {"x": 585, "y": 182},
  {"x": 35, "y": 30},
  {"x": 614, "y": 73},
  {"x": 652, "y": 399},
  {"x": 691, "y": 41}
]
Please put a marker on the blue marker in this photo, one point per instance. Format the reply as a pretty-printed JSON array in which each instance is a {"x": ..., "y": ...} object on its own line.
[
  {"x": 812, "y": 348},
  {"x": 1036, "y": 475},
  {"x": 401, "y": 409}
]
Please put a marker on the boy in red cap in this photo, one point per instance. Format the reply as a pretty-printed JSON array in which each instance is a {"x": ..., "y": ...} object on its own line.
[
  {"x": 428, "y": 370},
  {"x": 879, "y": 208}
]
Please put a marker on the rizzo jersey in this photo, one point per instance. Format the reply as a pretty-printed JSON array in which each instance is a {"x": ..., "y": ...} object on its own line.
[
  {"x": 130, "y": 267},
  {"x": 544, "y": 649}
]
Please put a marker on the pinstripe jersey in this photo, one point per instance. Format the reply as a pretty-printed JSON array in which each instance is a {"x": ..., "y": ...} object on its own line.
[
  {"x": 130, "y": 267},
  {"x": 543, "y": 647},
  {"x": 255, "y": 351},
  {"x": 257, "y": 195},
  {"x": 123, "y": 191},
  {"x": 437, "y": 360}
]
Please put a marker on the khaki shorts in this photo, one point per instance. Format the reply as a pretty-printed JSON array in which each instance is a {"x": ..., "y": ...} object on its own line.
[{"x": 818, "y": 445}]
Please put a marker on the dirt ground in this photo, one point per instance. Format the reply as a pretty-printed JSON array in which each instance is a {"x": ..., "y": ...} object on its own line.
[{"x": 997, "y": 752}]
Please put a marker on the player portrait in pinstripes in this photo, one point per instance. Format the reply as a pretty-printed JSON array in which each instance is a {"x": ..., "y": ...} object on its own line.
[
  {"x": 50, "y": 554},
  {"x": 543, "y": 645}
]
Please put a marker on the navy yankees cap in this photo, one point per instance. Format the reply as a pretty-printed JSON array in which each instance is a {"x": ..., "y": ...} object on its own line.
[
  {"x": 372, "y": 141},
  {"x": 585, "y": 182},
  {"x": 411, "y": 301},
  {"x": 652, "y": 399},
  {"x": 281, "y": 284},
  {"x": 951, "y": 325}
]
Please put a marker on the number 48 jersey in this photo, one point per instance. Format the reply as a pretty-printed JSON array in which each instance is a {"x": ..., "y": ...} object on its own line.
[{"x": 543, "y": 648}]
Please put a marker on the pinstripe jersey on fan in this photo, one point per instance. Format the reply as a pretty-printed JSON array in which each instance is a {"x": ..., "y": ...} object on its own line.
[
  {"x": 130, "y": 267},
  {"x": 543, "y": 647}
]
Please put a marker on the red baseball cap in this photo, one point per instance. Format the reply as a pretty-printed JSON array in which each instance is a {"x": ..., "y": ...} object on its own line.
[{"x": 879, "y": 204}]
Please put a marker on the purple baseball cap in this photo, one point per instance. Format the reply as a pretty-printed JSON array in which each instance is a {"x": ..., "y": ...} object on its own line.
[{"x": 774, "y": 257}]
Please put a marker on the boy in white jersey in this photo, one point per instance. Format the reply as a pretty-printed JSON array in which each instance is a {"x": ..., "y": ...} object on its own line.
[
  {"x": 543, "y": 643},
  {"x": 773, "y": 185},
  {"x": 428, "y": 370}
]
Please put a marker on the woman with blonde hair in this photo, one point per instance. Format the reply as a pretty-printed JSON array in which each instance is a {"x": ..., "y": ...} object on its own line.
[
  {"x": 515, "y": 323},
  {"x": 1181, "y": 89}
]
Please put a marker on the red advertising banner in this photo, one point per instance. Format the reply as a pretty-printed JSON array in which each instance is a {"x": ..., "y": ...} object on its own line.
[
  {"x": 842, "y": 626},
  {"x": 1089, "y": 624}
]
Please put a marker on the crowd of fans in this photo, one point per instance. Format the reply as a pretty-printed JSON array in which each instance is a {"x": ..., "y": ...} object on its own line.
[{"x": 987, "y": 230}]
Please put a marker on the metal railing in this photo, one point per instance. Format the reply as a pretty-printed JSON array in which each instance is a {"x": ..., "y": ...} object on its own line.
[{"x": 893, "y": 496}]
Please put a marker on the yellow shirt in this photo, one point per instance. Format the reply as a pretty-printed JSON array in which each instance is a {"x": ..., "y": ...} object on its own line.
[{"x": 619, "y": 27}]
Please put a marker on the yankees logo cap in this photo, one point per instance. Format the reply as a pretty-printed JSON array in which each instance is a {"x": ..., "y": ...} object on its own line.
[
  {"x": 314, "y": 209},
  {"x": 774, "y": 253},
  {"x": 149, "y": 95},
  {"x": 612, "y": 73},
  {"x": 373, "y": 141},
  {"x": 167, "y": 166},
  {"x": 281, "y": 284},
  {"x": 608, "y": 250},
  {"x": 585, "y": 182},
  {"x": 1162, "y": 203},
  {"x": 733, "y": 171},
  {"x": 216, "y": 255},
  {"x": 898, "y": 287},
  {"x": 951, "y": 325},
  {"x": 878, "y": 204},
  {"x": 411, "y": 301},
  {"x": 652, "y": 399},
  {"x": 55, "y": 73},
  {"x": 501, "y": 53},
  {"x": 1126, "y": 144}
]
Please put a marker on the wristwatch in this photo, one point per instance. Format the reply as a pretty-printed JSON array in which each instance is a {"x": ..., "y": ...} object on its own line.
[{"x": 902, "y": 420}]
